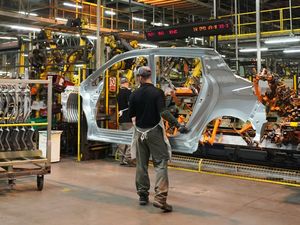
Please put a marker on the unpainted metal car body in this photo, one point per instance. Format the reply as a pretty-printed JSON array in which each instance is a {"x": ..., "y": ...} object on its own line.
[{"x": 222, "y": 94}]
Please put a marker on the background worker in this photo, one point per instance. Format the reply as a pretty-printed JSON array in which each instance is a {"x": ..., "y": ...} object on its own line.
[
  {"x": 124, "y": 119},
  {"x": 146, "y": 107}
]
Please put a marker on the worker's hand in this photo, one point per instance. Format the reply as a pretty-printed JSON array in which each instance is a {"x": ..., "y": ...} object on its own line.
[{"x": 183, "y": 129}]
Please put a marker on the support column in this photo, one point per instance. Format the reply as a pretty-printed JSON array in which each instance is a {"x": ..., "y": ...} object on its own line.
[
  {"x": 236, "y": 37},
  {"x": 258, "y": 35},
  {"x": 153, "y": 16},
  {"x": 291, "y": 16},
  {"x": 173, "y": 14},
  {"x": 22, "y": 61},
  {"x": 215, "y": 17},
  {"x": 98, "y": 46}
]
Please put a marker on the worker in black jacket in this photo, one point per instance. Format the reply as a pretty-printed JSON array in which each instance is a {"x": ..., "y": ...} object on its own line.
[
  {"x": 146, "y": 107},
  {"x": 124, "y": 119}
]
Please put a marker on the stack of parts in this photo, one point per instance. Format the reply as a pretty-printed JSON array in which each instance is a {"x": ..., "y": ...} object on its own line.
[{"x": 15, "y": 108}]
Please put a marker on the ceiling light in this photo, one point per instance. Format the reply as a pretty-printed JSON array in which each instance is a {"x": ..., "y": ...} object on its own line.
[
  {"x": 72, "y": 5},
  {"x": 26, "y": 13},
  {"x": 139, "y": 19},
  {"x": 25, "y": 55},
  {"x": 144, "y": 45},
  {"x": 135, "y": 32},
  {"x": 108, "y": 12},
  {"x": 292, "y": 50},
  {"x": 223, "y": 56},
  {"x": 253, "y": 50},
  {"x": 17, "y": 27},
  {"x": 8, "y": 38},
  {"x": 79, "y": 65},
  {"x": 61, "y": 19},
  {"x": 282, "y": 40},
  {"x": 159, "y": 24},
  {"x": 92, "y": 37}
]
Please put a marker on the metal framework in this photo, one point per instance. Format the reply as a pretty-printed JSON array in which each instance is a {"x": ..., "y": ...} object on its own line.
[
  {"x": 14, "y": 164},
  {"x": 278, "y": 24}
]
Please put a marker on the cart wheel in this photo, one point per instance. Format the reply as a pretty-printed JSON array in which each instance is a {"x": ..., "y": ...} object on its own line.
[{"x": 40, "y": 182}]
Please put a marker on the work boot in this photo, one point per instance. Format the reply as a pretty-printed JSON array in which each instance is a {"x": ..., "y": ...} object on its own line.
[
  {"x": 163, "y": 206},
  {"x": 123, "y": 163},
  {"x": 144, "y": 200}
]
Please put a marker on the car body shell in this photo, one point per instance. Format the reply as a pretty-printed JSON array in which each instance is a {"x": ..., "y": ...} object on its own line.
[{"x": 222, "y": 94}]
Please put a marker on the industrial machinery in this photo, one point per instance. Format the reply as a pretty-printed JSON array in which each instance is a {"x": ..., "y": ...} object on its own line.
[{"x": 283, "y": 101}]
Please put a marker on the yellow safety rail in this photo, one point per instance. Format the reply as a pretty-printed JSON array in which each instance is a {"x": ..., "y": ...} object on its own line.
[
  {"x": 236, "y": 170},
  {"x": 278, "y": 25},
  {"x": 23, "y": 124}
]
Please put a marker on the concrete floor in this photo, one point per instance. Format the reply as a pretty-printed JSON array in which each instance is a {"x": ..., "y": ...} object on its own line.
[{"x": 102, "y": 192}]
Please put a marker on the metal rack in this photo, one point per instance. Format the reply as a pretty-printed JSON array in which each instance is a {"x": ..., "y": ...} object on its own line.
[{"x": 27, "y": 162}]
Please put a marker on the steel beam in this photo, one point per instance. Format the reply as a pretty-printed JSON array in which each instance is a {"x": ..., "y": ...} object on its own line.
[
  {"x": 169, "y": 3},
  {"x": 174, "y": 3},
  {"x": 236, "y": 37},
  {"x": 23, "y": 17},
  {"x": 98, "y": 46},
  {"x": 258, "y": 60}
]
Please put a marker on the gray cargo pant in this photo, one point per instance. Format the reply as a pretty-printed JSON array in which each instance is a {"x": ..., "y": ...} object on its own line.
[
  {"x": 125, "y": 150},
  {"x": 155, "y": 146}
]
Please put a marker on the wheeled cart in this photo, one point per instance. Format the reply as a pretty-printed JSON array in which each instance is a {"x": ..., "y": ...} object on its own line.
[{"x": 18, "y": 154}]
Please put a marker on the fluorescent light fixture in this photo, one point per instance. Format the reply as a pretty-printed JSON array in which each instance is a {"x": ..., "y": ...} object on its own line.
[
  {"x": 61, "y": 19},
  {"x": 144, "y": 45},
  {"x": 253, "y": 50},
  {"x": 79, "y": 65},
  {"x": 160, "y": 24},
  {"x": 296, "y": 50},
  {"x": 92, "y": 37},
  {"x": 4, "y": 72},
  {"x": 18, "y": 27},
  {"x": 72, "y": 5},
  {"x": 135, "y": 32},
  {"x": 8, "y": 38},
  {"x": 282, "y": 40},
  {"x": 139, "y": 19},
  {"x": 26, "y": 13},
  {"x": 109, "y": 12}
]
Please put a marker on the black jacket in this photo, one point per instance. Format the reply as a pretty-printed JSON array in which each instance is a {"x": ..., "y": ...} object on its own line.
[
  {"x": 146, "y": 104},
  {"x": 123, "y": 100}
]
